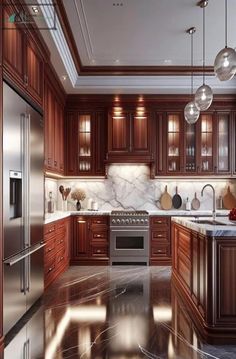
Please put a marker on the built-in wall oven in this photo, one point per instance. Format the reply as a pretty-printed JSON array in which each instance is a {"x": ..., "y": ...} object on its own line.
[{"x": 129, "y": 237}]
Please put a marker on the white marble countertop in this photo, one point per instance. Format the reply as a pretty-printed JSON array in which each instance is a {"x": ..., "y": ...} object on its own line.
[
  {"x": 227, "y": 229},
  {"x": 51, "y": 217}
]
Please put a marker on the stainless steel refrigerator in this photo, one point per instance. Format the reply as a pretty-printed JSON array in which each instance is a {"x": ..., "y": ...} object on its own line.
[{"x": 23, "y": 206}]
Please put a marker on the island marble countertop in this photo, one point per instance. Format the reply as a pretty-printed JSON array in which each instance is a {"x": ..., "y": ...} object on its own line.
[
  {"x": 51, "y": 217},
  {"x": 227, "y": 229}
]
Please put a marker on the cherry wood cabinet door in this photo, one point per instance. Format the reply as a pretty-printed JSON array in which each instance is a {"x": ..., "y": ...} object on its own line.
[
  {"x": 174, "y": 143},
  {"x": 80, "y": 243},
  {"x": 56, "y": 138},
  {"x": 34, "y": 70},
  {"x": 13, "y": 46},
  {"x": 49, "y": 113},
  {"x": 71, "y": 144},
  {"x": 224, "y": 146},
  {"x": 119, "y": 142},
  {"x": 61, "y": 139},
  {"x": 140, "y": 129},
  {"x": 100, "y": 131}
]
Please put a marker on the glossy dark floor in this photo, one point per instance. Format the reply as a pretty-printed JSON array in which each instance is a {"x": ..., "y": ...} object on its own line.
[{"x": 115, "y": 313}]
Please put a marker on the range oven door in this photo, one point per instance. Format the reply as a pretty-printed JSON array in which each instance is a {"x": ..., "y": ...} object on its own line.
[{"x": 129, "y": 242}]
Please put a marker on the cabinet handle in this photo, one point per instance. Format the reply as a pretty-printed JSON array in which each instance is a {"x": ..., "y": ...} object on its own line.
[
  {"x": 159, "y": 235},
  {"x": 49, "y": 249},
  {"x": 159, "y": 222},
  {"x": 98, "y": 222},
  {"x": 50, "y": 269},
  {"x": 98, "y": 235},
  {"x": 55, "y": 163},
  {"x": 81, "y": 221},
  {"x": 159, "y": 251},
  {"x": 99, "y": 251}
]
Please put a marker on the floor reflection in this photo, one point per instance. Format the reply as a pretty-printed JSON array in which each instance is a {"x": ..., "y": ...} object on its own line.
[{"x": 115, "y": 313}]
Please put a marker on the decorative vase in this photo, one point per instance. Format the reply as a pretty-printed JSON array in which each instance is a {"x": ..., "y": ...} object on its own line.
[{"x": 78, "y": 205}]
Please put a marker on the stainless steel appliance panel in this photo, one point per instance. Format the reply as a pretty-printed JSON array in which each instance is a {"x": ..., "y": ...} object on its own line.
[
  {"x": 34, "y": 277},
  {"x": 14, "y": 109},
  {"x": 135, "y": 235},
  {"x": 36, "y": 176},
  {"x": 14, "y": 298}
]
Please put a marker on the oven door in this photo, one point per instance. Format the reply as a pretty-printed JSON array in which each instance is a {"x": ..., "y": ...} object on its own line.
[{"x": 129, "y": 242}]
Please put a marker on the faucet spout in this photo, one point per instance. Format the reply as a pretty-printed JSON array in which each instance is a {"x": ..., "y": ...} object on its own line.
[{"x": 213, "y": 199}]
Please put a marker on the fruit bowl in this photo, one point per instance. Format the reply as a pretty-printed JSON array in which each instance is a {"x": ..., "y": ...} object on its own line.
[{"x": 232, "y": 215}]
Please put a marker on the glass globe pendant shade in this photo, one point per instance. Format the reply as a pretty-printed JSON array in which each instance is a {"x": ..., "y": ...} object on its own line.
[
  {"x": 225, "y": 64},
  {"x": 191, "y": 112},
  {"x": 203, "y": 97}
]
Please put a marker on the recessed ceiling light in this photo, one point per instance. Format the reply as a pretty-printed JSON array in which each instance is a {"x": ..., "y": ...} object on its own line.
[
  {"x": 93, "y": 61},
  {"x": 117, "y": 61},
  {"x": 63, "y": 77},
  {"x": 35, "y": 9}
]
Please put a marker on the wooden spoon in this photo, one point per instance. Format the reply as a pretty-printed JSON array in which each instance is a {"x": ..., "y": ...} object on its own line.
[
  {"x": 62, "y": 191},
  {"x": 67, "y": 192}
]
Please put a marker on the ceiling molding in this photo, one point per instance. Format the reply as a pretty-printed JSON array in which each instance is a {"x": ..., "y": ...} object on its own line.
[{"x": 115, "y": 70}]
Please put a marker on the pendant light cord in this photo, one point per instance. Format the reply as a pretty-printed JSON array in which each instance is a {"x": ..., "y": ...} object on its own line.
[
  {"x": 192, "y": 64},
  {"x": 226, "y": 27},
  {"x": 204, "y": 47}
]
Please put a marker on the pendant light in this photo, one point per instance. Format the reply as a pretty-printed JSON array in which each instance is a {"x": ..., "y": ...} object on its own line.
[
  {"x": 204, "y": 94},
  {"x": 191, "y": 112},
  {"x": 225, "y": 61}
]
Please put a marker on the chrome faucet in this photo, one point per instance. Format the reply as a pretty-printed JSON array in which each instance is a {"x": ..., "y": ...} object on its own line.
[{"x": 214, "y": 199}]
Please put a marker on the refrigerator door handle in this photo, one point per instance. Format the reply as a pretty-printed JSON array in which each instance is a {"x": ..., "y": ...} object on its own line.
[
  {"x": 26, "y": 181},
  {"x": 26, "y": 350},
  {"x": 13, "y": 260}
]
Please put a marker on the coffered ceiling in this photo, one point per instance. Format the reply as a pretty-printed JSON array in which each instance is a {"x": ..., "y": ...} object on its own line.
[{"x": 129, "y": 46}]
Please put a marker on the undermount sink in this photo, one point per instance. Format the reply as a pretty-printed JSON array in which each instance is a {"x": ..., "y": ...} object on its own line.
[{"x": 208, "y": 221}]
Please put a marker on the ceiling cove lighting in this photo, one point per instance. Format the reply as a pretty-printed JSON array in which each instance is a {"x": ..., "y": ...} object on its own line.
[
  {"x": 191, "y": 112},
  {"x": 225, "y": 61},
  {"x": 204, "y": 94}
]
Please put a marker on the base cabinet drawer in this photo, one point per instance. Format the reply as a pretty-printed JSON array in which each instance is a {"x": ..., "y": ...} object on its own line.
[
  {"x": 99, "y": 251},
  {"x": 160, "y": 250}
]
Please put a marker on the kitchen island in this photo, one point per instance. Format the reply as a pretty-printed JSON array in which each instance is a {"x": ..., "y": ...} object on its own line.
[{"x": 204, "y": 271}]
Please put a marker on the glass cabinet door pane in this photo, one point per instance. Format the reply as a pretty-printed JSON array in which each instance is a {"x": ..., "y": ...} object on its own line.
[
  {"x": 84, "y": 143},
  {"x": 173, "y": 144},
  {"x": 190, "y": 150},
  {"x": 223, "y": 143},
  {"x": 206, "y": 143}
]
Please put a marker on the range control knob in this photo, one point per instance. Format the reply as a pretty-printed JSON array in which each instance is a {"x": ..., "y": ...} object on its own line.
[
  {"x": 146, "y": 221},
  {"x": 127, "y": 221},
  {"x": 122, "y": 221},
  {"x": 134, "y": 220},
  {"x": 118, "y": 221},
  {"x": 113, "y": 221},
  {"x": 142, "y": 221},
  {"x": 137, "y": 221}
]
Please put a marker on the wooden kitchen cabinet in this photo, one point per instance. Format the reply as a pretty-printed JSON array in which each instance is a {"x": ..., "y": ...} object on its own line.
[
  {"x": 90, "y": 241},
  {"x": 196, "y": 150},
  {"x": 129, "y": 136},
  {"x": 85, "y": 136},
  {"x": 203, "y": 271},
  {"x": 56, "y": 251},
  {"x": 160, "y": 240},
  {"x": 22, "y": 56},
  {"x": 54, "y": 127}
]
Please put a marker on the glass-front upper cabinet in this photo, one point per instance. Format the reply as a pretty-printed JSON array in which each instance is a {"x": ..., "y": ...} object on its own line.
[
  {"x": 190, "y": 148},
  {"x": 84, "y": 143},
  {"x": 223, "y": 133},
  {"x": 206, "y": 144},
  {"x": 174, "y": 143}
]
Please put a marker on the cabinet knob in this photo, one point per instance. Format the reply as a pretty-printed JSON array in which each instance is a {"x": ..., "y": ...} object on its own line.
[
  {"x": 159, "y": 222},
  {"x": 99, "y": 251},
  {"x": 159, "y": 251},
  {"x": 98, "y": 235},
  {"x": 81, "y": 221},
  {"x": 159, "y": 235},
  {"x": 49, "y": 249}
]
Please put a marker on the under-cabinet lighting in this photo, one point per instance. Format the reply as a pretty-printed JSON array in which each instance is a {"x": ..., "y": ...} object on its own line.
[
  {"x": 162, "y": 314},
  {"x": 118, "y": 117},
  {"x": 53, "y": 175}
]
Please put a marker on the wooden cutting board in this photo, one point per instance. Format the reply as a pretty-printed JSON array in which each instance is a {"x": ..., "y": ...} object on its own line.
[
  {"x": 229, "y": 201},
  {"x": 195, "y": 202},
  {"x": 166, "y": 200}
]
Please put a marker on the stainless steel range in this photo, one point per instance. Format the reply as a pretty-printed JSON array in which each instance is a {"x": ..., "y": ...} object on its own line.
[{"x": 129, "y": 237}]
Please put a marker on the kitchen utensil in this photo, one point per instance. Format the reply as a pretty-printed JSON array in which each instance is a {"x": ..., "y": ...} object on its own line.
[
  {"x": 195, "y": 202},
  {"x": 229, "y": 201},
  {"x": 61, "y": 190},
  {"x": 165, "y": 200},
  {"x": 177, "y": 200},
  {"x": 67, "y": 192}
]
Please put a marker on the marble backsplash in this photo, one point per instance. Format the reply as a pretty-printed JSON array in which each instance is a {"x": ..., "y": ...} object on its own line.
[{"x": 130, "y": 187}]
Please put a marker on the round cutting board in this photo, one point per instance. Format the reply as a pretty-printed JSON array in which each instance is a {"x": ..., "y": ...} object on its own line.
[
  {"x": 195, "y": 202},
  {"x": 166, "y": 200}
]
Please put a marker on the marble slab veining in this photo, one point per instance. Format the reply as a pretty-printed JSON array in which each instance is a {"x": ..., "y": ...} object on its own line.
[{"x": 227, "y": 229}]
